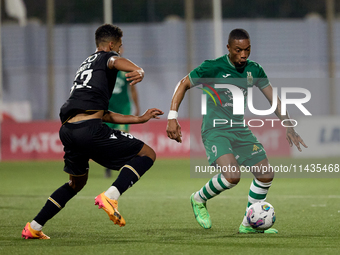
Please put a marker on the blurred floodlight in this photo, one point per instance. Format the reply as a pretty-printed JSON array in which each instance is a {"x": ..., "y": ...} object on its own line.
[
  {"x": 16, "y": 9},
  {"x": 314, "y": 16}
]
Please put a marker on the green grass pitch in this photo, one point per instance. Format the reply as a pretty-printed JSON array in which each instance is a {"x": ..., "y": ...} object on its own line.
[{"x": 159, "y": 216}]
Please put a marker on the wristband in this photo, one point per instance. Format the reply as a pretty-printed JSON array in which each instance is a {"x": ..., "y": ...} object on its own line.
[{"x": 172, "y": 115}]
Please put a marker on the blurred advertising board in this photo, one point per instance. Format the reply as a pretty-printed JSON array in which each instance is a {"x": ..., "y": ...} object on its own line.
[{"x": 39, "y": 140}]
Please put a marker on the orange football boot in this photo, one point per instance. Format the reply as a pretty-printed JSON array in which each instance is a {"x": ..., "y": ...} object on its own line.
[
  {"x": 30, "y": 233},
  {"x": 110, "y": 206}
]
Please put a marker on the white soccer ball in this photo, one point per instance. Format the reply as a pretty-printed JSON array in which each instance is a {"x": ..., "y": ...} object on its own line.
[{"x": 261, "y": 215}]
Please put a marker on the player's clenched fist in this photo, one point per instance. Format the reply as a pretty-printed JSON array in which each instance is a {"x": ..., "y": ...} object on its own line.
[
  {"x": 135, "y": 76},
  {"x": 173, "y": 130}
]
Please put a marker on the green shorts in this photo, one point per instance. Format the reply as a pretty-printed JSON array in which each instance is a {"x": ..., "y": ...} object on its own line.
[{"x": 247, "y": 150}]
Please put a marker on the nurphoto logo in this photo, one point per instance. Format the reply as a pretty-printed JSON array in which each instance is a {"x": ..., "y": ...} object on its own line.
[{"x": 237, "y": 95}]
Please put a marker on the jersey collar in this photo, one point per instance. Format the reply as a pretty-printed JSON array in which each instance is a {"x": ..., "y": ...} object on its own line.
[
  {"x": 232, "y": 65},
  {"x": 229, "y": 62}
]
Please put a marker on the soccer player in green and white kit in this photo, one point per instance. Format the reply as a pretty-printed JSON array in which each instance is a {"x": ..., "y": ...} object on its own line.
[{"x": 228, "y": 145}]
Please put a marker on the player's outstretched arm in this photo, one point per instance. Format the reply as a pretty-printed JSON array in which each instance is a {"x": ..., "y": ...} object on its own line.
[
  {"x": 173, "y": 128},
  {"x": 291, "y": 136},
  {"x": 117, "y": 118},
  {"x": 134, "y": 74}
]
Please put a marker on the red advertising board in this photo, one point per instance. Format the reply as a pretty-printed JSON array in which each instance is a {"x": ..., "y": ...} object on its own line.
[
  {"x": 153, "y": 133},
  {"x": 40, "y": 140},
  {"x": 30, "y": 140}
]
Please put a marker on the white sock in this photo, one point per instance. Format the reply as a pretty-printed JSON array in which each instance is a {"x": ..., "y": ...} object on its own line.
[
  {"x": 112, "y": 193},
  {"x": 198, "y": 198},
  {"x": 36, "y": 226}
]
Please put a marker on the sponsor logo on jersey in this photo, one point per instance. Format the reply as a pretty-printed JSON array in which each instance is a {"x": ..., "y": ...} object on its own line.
[
  {"x": 226, "y": 75},
  {"x": 249, "y": 78},
  {"x": 255, "y": 147},
  {"x": 112, "y": 136}
]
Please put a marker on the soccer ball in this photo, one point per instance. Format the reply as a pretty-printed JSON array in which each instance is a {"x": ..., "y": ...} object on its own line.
[{"x": 261, "y": 215}]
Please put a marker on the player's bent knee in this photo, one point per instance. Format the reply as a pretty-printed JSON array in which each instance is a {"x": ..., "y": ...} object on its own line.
[
  {"x": 233, "y": 180},
  {"x": 232, "y": 176},
  {"x": 78, "y": 183},
  {"x": 147, "y": 151},
  {"x": 267, "y": 177},
  {"x": 264, "y": 179},
  {"x": 77, "y": 186}
]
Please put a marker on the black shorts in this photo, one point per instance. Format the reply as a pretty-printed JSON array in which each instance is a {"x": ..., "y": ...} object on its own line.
[{"x": 94, "y": 140}]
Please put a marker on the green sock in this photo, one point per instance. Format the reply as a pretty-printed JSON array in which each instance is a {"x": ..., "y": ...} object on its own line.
[{"x": 212, "y": 188}]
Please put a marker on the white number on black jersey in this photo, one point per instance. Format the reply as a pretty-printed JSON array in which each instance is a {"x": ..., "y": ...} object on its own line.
[{"x": 86, "y": 75}]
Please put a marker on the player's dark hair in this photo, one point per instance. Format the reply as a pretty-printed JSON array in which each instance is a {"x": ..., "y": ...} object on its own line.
[
  {"x": 107, "y": 32},
  {"x": 238, "y": 34}
]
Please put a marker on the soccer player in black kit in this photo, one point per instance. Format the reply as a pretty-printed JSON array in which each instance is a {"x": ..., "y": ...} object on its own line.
[{"x": 84, "y": 136}]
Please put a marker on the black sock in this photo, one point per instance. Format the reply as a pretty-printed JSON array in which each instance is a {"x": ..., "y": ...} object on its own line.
[
  {"x": 55, "y": 203},
  {"x": 131, "y": 172}
]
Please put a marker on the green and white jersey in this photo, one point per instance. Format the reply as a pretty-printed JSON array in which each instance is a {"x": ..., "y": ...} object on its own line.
[{"x": 220, "y": 100}]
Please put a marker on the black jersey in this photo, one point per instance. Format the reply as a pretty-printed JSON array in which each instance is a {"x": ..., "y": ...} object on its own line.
[{"x": 92, "y": 86}]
